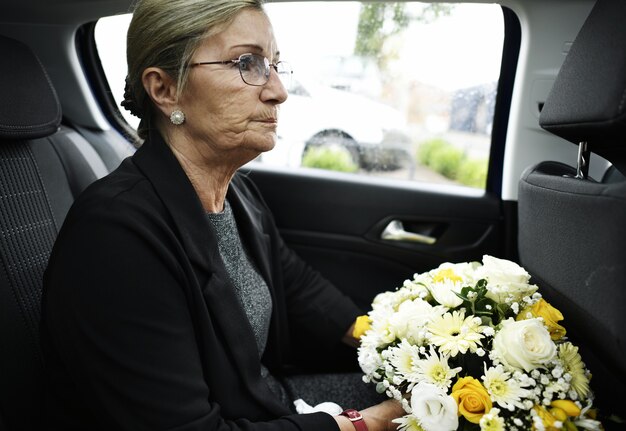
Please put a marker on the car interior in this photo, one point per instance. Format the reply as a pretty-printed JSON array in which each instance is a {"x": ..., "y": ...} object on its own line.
[{"x": 554, "y": 200}]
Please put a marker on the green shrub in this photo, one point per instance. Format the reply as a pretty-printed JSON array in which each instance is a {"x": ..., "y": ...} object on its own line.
[
  {"x": 426, "y": 149},
  {"x": 451, "y": 162},
  {"x": 446, "y": 160},
  {"x": 333, "y": 158},
  {"x": 473, "y": 173}
]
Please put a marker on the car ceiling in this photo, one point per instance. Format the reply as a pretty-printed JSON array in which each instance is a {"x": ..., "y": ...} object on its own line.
[
  {"x": 60, "y": 11},
  {"x": 67, "y": 12}
]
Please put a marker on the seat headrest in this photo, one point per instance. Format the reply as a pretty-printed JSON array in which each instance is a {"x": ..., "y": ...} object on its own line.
[
  {"x": 29, "y": 107},
  {"x": 588, "y": 99}
]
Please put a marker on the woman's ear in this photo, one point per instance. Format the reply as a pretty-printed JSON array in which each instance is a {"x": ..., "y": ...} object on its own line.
[{"x": 161, "y": 89}]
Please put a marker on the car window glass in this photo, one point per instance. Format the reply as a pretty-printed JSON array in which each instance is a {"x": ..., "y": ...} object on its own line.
[{"x": 398, "y": 90}]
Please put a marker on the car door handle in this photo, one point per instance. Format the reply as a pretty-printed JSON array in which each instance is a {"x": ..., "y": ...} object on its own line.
[{"x": 395, "y": 232}]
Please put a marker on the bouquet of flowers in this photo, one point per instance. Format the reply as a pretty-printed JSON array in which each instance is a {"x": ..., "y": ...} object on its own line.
[{"x": 474, "y": 346}]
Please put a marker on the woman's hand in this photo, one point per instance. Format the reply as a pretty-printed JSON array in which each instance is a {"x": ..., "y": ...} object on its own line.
[
  {"x": 349, "y": 338},
  {"x": 360, "y": 326},
  {"x": 377, "y": 418}
]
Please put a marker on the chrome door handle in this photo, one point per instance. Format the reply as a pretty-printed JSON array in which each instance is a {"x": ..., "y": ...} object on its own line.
[{"x": 395, "y": 232}]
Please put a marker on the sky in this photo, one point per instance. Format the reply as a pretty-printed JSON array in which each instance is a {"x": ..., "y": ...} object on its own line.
[{"x": 471, "y": 36}]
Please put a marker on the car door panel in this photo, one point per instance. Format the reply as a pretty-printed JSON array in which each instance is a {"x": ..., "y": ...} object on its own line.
[{"x": 335, "y": 222}]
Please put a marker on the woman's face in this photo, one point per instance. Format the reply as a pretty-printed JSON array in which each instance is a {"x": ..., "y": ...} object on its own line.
[{"x": 222, "y": 112}]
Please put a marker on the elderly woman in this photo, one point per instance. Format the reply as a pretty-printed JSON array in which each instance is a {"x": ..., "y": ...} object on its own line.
[{"x": 170, "y": 297}]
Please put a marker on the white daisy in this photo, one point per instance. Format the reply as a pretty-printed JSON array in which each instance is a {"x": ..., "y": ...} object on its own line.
[
  {"x": 435, "y": 369},
  {"x": 408, "y": 423},
  {"x": 404, "y": 358},
  {"x": 503, "y": 389},
  {"x": 448, "y": 280},
  {"x": 445, "y": 292},
  {"x": 588, "y": 424},
  {"x": 461, "y": 272},
  {"x": 491, "y": 421}
]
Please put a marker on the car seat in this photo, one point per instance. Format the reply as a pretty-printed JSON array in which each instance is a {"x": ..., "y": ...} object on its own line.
[
  {"x": 572, "y": 228},
  {"x": 43, "y": 167}
]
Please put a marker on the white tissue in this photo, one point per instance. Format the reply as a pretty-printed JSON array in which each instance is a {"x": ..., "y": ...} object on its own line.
[{"x": 327, "y": 407}]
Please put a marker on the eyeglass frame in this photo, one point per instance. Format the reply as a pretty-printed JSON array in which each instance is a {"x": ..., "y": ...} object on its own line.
[{"x": 268, "y": 66}]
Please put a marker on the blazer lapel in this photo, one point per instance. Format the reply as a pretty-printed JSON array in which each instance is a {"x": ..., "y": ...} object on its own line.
[
  {"x": 161, "y": 168},
  {"x": 240, "y": 341}
]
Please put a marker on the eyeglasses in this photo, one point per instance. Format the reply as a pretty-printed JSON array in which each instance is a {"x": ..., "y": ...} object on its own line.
[{"x": 255, "y": 69}]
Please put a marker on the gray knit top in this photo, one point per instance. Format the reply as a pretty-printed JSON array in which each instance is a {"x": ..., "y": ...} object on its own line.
[{"x": 251, "y": 288}]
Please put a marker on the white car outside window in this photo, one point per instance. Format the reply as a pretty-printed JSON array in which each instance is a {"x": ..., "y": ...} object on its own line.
[{"x": 375, "y": 134}]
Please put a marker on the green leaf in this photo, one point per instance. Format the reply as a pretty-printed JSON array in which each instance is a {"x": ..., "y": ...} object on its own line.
[{"x": 460, "y": 295}]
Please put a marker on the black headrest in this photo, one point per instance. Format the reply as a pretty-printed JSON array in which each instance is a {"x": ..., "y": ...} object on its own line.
[
  {"x": 588, "y": 100},
  {"x": 29, "y": 107}
]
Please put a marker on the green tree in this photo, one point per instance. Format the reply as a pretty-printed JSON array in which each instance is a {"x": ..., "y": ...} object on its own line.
[{"x": 379, "y": 21}]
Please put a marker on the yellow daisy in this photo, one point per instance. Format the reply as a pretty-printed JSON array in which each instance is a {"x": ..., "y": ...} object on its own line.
[
  {"x": 573, "y": 364},
  {"x": 454, "y": 333}
]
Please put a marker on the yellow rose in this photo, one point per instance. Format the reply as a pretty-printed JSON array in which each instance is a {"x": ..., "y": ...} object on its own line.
[
  {"x": 548, "y": 313},
  {"x": 472, "y": 399},
  {"x": 546, "y": 418},
  {"x": 560, "y": 411},
  {"x": 361, "y": 326},
  {"x": 568, "y": 407}
]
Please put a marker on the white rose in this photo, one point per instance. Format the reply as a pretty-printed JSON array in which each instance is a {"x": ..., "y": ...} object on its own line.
[
  {"x": 505, "y": 279},
  {"x": 524, "y": 345},
  {"x": 434, "y": 408},
  {"x": 408, "y": 322},
  {"x": 502, "y": 271}
]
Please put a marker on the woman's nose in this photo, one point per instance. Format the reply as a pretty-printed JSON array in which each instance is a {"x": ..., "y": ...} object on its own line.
[{"x": 274, "y": 89}]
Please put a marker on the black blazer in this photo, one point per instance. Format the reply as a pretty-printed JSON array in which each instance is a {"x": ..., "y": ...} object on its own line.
[{"x": 141, "y": 327}]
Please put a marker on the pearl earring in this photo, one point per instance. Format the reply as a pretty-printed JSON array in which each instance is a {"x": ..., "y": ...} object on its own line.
[{"x": 177, "y": 117}]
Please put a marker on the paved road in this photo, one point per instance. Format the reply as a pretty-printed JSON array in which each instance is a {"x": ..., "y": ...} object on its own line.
[{"x": 420, "y": 173}]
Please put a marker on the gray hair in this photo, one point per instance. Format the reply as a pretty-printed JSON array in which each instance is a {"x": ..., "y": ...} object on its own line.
[{"x": 165, "y": 34}]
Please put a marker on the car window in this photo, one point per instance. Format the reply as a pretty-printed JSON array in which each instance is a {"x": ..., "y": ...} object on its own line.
[{"x": 397, "y": 90}]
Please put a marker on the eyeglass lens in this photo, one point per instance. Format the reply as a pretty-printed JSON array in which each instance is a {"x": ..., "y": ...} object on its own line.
[{"x": 255, "y": 69}]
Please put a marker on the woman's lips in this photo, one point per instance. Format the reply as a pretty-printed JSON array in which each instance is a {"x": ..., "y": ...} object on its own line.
[{"x": 269, "y": 122}]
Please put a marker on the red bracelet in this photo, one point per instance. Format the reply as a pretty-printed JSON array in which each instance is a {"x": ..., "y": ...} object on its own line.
[{"x": 356, "y": 418}]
